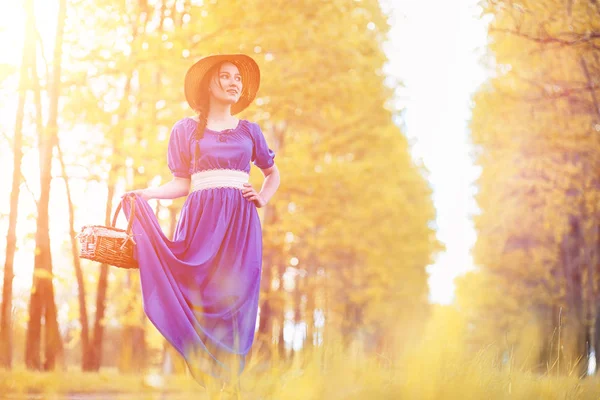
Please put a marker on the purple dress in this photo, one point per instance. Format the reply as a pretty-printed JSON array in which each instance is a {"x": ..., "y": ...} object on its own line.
[{"x": 201, "y": 289}]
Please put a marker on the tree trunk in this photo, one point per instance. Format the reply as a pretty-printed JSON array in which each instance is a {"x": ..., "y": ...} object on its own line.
[
  {"x": 299, "y": 311},
  {"x": 34, "y": 324},
  {"x": 596, "y": 340},
  {"x": 281, "y": 352},
  {"x": 83, "y": 316},
  {"x": 311, "y": 293},
  {"x": 265, "y": 326},
  {"x": 279, "y": 312},
  {"x": 573, "y": 328},
  {"x": 54, "y": 345},
  {"x": 133, "y": 345},
  {"x": 95, "y": 350},
  {"x": 42, "y": 298},
  {"x": 11, "y": 237},
  {"x": 95, "y": 356},
  {"x": 595, "y": 336}
]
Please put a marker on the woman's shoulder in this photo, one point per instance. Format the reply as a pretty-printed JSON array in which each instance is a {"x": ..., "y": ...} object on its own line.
[
  {"x": 187, "y": 121},
  {"x": 185, "y": 125},
  {"x": 250, "y": 126}
]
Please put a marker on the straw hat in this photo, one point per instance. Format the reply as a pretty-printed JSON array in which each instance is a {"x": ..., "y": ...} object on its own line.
[{"x": 248, "y": 69}]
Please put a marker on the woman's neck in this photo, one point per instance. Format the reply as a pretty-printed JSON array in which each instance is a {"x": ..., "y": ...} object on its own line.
[
  {"x": 219, "y": 112},
  {"x": 220, "y": 116}
]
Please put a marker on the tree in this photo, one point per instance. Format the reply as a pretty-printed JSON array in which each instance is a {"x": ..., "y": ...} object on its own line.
[
  {"x": 11, "y": 239},
  {"x": 42, "y": 292},
  {"x": 535, "y": 128},
  {"x": 328, "y": 119}
]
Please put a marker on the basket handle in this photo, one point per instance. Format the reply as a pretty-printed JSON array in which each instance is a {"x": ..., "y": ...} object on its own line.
[{"x": 132, "y": 214}]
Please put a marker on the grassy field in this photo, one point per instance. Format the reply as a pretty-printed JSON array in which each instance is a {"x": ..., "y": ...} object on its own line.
[
  {"x": 437, "y": 368},
  {"x": 341, "y": 377}
]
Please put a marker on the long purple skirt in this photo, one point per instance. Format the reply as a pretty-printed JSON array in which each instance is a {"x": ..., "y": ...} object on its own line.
[{"x": 201, "y": 289}]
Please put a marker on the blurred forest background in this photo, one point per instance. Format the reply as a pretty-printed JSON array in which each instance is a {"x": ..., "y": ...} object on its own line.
[
  {"x": 351, "y": 220},
  {"x": 86, "y": 115}
]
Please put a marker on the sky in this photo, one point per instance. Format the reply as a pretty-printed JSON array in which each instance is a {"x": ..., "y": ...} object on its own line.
[{"x": 435, "y": 49}]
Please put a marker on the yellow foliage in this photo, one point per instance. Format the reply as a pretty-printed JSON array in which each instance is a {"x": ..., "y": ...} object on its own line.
[{"x": 534, "y": 127}]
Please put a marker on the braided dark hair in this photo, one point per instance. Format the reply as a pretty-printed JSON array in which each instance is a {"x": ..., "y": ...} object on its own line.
[
  {"x": 204, "y": 108},
  {"x": 203, "y": 111},
  {"x": 202, "y": 121},
  {"x": 200, "y": 127}
]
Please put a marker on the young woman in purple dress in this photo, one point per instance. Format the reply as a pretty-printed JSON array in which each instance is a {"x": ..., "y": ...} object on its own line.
[{"x": 201, "y": 289}]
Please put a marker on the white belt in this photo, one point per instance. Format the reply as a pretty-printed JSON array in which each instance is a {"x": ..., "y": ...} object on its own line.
[{"x": 218, "y": 178}]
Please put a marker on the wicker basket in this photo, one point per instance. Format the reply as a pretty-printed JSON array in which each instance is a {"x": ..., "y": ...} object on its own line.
[{"x": 109, "y": 245}]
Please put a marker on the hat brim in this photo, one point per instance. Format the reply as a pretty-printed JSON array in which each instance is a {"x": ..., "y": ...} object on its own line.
[{"x": 249, "y": 71}]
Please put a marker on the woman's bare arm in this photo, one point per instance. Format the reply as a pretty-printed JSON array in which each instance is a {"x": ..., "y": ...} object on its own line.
[
  {"x": 271, "y": 182},
  {"x": 177, "y": 187}
]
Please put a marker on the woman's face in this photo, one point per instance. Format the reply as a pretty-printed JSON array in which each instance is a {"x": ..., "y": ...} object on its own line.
[{"x": 226, "y": 87}]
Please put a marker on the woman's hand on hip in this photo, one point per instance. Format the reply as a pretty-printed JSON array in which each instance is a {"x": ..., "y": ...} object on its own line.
[{"x": 251, "y": 195}]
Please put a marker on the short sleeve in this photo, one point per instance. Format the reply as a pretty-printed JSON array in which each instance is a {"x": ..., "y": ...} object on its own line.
[
  {"x": 178, "y": 153},
  {"x": 262, "y": 156}
]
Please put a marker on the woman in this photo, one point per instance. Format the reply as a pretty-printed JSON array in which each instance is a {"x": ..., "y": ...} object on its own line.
[{"x": 201, "y": 289}]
